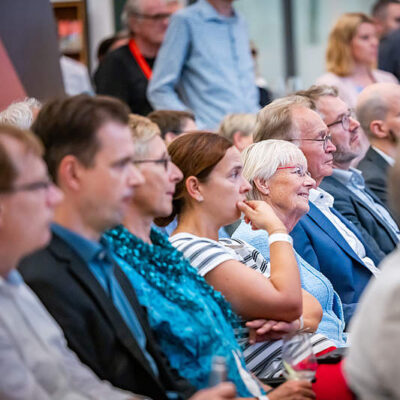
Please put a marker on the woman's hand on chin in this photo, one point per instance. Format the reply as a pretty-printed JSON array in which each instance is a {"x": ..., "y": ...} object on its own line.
[{"x": 261, "y": 216}]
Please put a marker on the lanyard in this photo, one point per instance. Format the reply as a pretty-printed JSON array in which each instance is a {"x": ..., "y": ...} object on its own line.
[{"x": 137, "y": 55}]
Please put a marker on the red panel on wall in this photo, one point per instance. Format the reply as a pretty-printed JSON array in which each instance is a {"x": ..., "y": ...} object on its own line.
[{"x": 11, "y": 88}]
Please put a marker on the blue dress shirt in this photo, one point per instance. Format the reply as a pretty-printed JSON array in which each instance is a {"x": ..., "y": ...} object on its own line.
[
  {"x": 205, "y": 65},
  {"x": 101, "y": 261}
]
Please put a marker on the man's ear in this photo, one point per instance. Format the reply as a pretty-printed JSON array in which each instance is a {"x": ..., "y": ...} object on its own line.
[
  {"x": 169, "y": 137},
  {"x": 192, "y": 185},
  {"x": 68, "y": 173},
  {"x": 377, "y": 127},
  {"x": 262, "y": 186}
]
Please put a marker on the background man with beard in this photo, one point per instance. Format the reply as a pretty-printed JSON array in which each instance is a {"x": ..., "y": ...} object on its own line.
[
  {"x": 351, "y": 198},
  {"x": 378, "y": 110}
]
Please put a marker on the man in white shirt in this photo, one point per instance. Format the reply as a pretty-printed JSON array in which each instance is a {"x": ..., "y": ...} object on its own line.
[
  {"x": 323, "y": 237},
  {"x": 378, "y": 111}
]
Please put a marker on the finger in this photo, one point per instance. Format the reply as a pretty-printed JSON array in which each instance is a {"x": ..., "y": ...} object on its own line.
[{"x": 256, "y": 323}]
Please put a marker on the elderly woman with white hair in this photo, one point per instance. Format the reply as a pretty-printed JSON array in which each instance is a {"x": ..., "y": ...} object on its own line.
[{"x": 277, "y": 172}]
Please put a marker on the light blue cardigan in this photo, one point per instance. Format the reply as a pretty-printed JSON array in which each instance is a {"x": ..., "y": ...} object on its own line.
[{"x": 332, "y": 323}]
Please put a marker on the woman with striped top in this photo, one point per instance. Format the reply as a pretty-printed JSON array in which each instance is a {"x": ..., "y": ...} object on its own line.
[{"x": 212, "y": 194}]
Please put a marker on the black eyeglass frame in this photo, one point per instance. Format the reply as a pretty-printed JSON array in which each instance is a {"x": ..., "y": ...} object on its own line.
[
  {"x": 325, "y": 140},
  {"x": 164, "y": 161}
]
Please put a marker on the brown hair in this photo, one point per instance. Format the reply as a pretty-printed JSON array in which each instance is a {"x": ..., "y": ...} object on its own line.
[
  {"x": 170, "y": 120},
  {"x": 195, "y": 154},
  {"x": 69, "y": 126},
  {"x": 339, "y": 59},
  {"x": 9, "y": 171}
]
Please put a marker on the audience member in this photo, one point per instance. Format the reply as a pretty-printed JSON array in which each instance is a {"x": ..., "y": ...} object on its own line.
[
  {"x": 238, "y": 128},
  {"x": 386, "y": 14},
  {"x": 189, "y": 313},
  {"x": 351, "y": 198},
  {"x": 350, "y": 56},
  {"x": 111, "y": 43},
  {"x": 215, "y": 174},
  {"x": 205, "y": 64},
  {"x": 323, "y": 237},
  {"x": 75, "y": 76},
  {"x": 173, "y": 123},
  {"x": 89, "y": 153},
  {"x": 378, "y": 108},
  {"x": 124, "y": 73},
  {"x": 35, "y": 361},
  {"x": 277, "y": 172},
  {"x": 372, "y": 363},
  {"x": 21, "y": 114}
]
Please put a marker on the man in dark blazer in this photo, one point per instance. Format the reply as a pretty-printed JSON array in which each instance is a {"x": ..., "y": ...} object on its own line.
[
  {"x": 89, "y": 152},
  {"x": 351, "y": 197},
  {"x": 322, "y": 237},
  {"x": 378, "y": 110}
]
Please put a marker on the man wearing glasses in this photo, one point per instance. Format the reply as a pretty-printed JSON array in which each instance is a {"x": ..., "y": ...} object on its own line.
[
  {"x": 323, "y": 237},
  {"x": 351, "y": 197},
  {"x": 124, "y": 73}
]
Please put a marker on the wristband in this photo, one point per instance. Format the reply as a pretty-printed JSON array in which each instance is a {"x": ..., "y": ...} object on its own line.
[
  {"x": 301, "y": 322},
  {"x": 279, "y": 237}
]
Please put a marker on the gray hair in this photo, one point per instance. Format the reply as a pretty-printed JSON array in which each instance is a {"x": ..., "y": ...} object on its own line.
[
  {"x": 20, "y": 114},
  {"x": 315, "y": 92},
  {"x": 244, "y": 123},
  {"x": 262, "y": 159},
  {"x": 275, "y": 120},
  {"x": 143, "y": 131}
]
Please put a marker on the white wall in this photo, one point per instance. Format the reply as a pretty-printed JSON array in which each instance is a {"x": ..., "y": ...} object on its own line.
[{"x": 265, "y": 22}]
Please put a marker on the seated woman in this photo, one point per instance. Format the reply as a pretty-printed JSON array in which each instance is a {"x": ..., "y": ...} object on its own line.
[
  {"x": 277, "y": 172},
  {"x": 211, "y": 196},
  {"x": 191, "y": 321}
]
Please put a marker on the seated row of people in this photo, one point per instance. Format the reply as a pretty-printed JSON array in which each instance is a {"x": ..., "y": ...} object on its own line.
[
  {"x": 93, "y": 282},
  {"x": 84, "y": 284}
]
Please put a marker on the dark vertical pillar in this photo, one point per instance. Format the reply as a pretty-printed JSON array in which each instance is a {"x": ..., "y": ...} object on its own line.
[
  {"x": 289, "y": 40},
  {"x": 29, "y": 36}
]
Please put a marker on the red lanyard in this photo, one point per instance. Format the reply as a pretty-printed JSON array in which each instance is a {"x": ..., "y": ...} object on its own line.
[{"x": 137, "y": 55}]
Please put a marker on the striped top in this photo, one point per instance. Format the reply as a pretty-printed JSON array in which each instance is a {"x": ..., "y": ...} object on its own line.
[{"x": 263, "y": 359}]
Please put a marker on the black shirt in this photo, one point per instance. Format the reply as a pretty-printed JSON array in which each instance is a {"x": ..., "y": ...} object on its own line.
[{"x": 120, "y": 76}]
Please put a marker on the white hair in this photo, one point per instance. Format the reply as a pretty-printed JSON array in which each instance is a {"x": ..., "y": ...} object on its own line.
[
  {"x": 20, "y": 114},
  {"x": 262, "y": 159}
]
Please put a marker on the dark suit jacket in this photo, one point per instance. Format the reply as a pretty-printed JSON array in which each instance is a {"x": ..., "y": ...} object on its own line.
[
  {"x": 375, "y": 169},
  {"x": 94, "y": 329},
  {"x": 317, "y": 240},
  {"x": 376, "y": 233}
]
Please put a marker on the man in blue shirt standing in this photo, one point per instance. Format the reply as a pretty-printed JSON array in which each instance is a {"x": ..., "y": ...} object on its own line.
[{"x": 205, "y": 64}]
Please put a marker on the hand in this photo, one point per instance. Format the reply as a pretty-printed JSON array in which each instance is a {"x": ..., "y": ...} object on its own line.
[
  {"x": 261, "y": 216},
  {"x": 262, "y": 330},
  {"x": 293, "y": 390},
  {"x": 223, "y": 391}
]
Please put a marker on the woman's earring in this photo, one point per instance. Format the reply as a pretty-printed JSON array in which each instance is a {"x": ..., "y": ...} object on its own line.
[{"x": 199, "y": 199}]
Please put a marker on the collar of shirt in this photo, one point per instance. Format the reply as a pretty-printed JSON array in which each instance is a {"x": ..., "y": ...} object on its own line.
[
  {"x": 386, "y": 157},
  {"x": 349, "y": 177},
  {"x": 13, "y": 278},
  {"x": 210, "y": 13},
  {"x": 87, "y": 249},
  {"x": 320, "y": 198}
]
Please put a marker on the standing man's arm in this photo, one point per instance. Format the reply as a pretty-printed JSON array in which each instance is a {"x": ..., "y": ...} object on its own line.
[{"x": 168, "y": 67}]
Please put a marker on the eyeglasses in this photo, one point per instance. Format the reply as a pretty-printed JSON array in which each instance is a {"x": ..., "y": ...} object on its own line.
[
  {"x": 298, "y": 170},
  {"x": 344, "y": 120},
  {"x": 324, "y": 140},
  {"x": 154, "y": 17},
  {"x": 163, "y": 161},
  {"x": 29, "y": 187}
]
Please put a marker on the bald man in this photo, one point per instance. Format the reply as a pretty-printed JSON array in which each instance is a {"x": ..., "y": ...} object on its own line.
[{"x": 378, "y": 111}]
